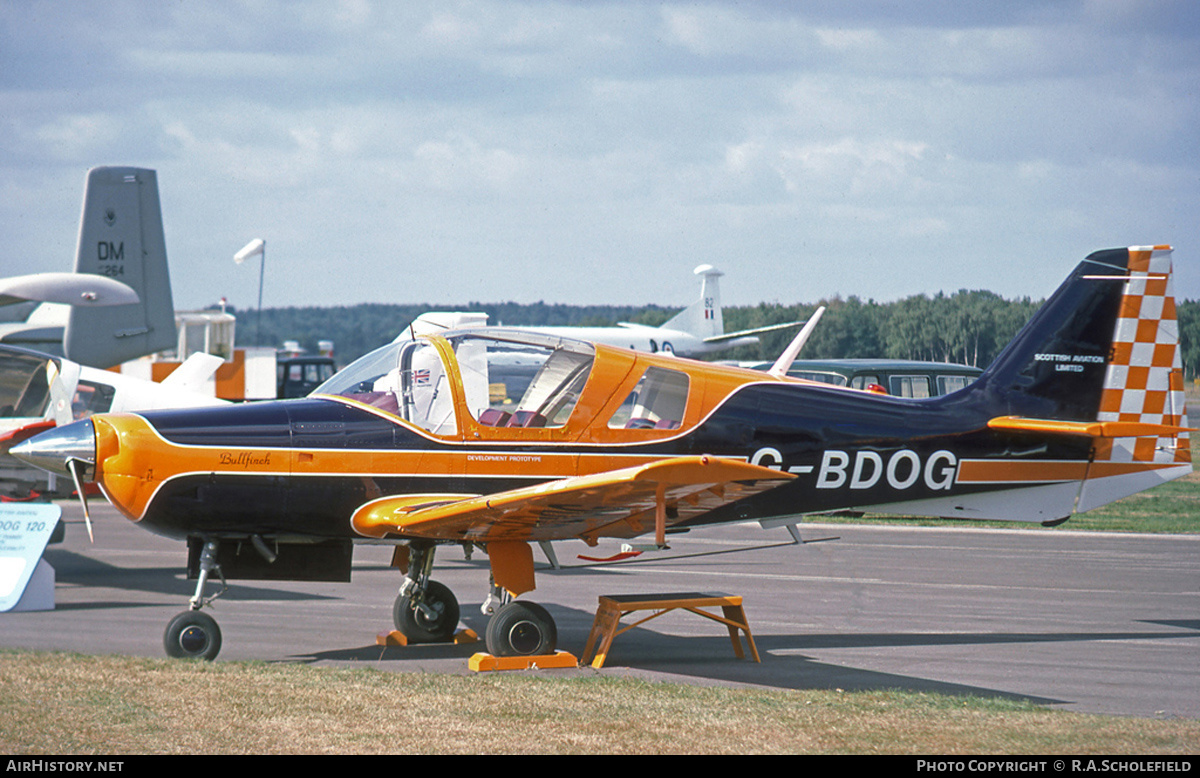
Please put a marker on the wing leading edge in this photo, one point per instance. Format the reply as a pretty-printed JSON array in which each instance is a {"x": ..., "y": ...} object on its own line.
[{"x": 616, "y": 503}]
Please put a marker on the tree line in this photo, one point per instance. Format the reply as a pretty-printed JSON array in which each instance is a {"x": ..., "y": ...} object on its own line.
[{"x": 967, "y": 327}]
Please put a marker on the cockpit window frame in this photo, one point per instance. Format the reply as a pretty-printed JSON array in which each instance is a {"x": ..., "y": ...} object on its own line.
[
  {"x": 561, "y": 401},
  {"x": 548, "y": 406},
  {"x": 360, "y": 384}
]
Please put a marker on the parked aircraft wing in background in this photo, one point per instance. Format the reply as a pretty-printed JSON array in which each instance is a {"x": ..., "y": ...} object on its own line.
[
  {"x": 696, "y": 330},
  {"x": 83, "y": 290}
]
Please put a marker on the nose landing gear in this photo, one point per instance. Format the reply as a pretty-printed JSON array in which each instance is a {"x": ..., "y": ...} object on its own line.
[{"x": 193, "y": 634}]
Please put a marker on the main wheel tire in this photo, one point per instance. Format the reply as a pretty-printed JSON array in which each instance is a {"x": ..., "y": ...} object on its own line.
[
  {"x": 415, "y": 625},
  {"x": 192, "y": 635},
  {"x": 521, "y": 629}
]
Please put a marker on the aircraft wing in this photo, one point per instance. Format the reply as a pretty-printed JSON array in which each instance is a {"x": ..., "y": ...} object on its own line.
[
  {"x": 67, "y": 288},
  {"x": 755, "y": 331},
  {"x": 194, "y": 372},
  {"x": 617, "y": 503}
]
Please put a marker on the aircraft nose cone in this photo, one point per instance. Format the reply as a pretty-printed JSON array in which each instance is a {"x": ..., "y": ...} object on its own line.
[{"x": 51, "y": 450}]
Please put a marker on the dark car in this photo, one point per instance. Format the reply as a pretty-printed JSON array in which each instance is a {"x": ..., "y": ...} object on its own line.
[{"x": 297, "y": 376}]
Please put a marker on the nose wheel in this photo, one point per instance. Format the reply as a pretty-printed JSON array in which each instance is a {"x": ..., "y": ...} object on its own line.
[{"x": 192, "y": 635}]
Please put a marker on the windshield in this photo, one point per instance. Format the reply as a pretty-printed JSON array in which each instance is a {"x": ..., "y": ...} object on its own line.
[
  {"x": 405, "y": 379},
  {"x": 24, "y": 384},
  {"x": 516, "y": 380}
]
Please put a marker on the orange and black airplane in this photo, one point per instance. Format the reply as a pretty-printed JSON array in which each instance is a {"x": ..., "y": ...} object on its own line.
[{"x": 501, "y": 438}]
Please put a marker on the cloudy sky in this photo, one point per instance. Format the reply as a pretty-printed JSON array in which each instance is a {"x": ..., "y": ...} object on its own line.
[{"x": 596, "y": 152}]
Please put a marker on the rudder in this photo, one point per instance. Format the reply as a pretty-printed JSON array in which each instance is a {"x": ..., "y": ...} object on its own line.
[{"x": 1143, "y": 388}]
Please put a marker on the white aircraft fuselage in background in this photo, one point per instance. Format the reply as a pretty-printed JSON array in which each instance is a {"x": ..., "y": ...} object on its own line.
[{"x": 695, "y": 331}]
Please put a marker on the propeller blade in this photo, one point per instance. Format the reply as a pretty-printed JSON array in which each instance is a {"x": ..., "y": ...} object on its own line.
[{"x": 72, "y": 464}]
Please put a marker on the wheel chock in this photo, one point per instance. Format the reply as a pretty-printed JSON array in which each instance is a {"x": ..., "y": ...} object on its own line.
[
  {"x": 393, "y": 638},
  {"x": 397, "y": 638},
  {"x": 487, "y": 662}
]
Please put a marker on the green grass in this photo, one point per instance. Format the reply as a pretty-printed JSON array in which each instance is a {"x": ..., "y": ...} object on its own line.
[{"x": 70, "y": 704}]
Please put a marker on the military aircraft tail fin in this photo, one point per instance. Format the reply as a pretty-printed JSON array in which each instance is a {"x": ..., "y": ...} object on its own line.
[
  {"x": 703, "y": 317},
  {"x": 121, "y": 237}
]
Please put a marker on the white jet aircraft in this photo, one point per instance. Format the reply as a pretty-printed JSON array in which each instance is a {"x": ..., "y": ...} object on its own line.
[{"x": 696, "y": 330}]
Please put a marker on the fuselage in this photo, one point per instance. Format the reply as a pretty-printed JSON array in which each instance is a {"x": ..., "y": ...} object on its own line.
[{"x": 301, "y": 467}]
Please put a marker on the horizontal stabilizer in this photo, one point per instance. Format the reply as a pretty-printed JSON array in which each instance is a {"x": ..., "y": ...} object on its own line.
[
  {"x": 618, "y": 557},
  {"x": 620, "y": 503},
  {"x": 1094, "y": 429}
]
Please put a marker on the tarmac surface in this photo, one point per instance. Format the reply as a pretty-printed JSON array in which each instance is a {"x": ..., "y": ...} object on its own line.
[{"x": 1088, "y": 622}]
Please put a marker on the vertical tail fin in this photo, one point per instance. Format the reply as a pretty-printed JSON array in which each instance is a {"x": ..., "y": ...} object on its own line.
[
  {"x": 121, "y": 236},
  {"x": 703, "y": 317},
  {"x": 1102, "y": 358}
]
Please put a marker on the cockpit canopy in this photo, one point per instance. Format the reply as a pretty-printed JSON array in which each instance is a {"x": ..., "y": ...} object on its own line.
[
  {"x": 510, "y": 379},
  {"x": 519, "y": 380}
]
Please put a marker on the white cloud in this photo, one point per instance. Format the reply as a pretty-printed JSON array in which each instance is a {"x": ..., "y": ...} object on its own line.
[{"x": 907, "y": 148}]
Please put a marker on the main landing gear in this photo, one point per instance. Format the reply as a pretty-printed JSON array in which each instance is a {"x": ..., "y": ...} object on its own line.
[
  {"x": 193, "y": 634},
  {"x": 521, "y": 628},
  {"x": 426, "y": 611}
]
